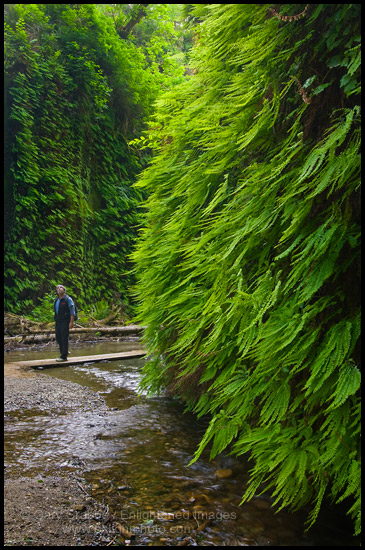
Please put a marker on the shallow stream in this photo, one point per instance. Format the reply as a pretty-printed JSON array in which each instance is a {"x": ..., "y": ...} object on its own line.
[{"x": 135, "y": 454}]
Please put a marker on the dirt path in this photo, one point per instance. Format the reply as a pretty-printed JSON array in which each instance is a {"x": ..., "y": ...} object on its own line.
[
  {"x": 51, "y": 510},
  {"x": 54, "y": 507},
  {"x": 14, "y": 371}
]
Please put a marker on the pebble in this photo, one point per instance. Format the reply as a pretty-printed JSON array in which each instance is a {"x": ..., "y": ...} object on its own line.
[{"x": 79, "y": 507}]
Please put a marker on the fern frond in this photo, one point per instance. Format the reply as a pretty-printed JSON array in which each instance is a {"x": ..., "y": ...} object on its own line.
[
  {"x": 349, "y": 381},
  {"x": 318, "y": 503},
  {"x": 330, "y": 357},
  {"x": 335, "y": 138},
  {"x": 276, "y": 404},
  {"x": 222, "y": 429}
]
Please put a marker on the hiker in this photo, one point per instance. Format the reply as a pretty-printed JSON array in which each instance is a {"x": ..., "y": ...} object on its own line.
[{"x": 64, "y": 310}]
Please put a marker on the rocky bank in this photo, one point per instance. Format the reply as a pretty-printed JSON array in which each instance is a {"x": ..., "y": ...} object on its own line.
[{"x": 53, "y": 507}]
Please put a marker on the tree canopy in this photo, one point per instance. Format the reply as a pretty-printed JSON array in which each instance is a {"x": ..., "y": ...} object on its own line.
[{"x": 248, "y": 264}]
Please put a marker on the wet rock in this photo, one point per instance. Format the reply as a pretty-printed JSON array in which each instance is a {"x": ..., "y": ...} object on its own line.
[
  {"x": 223, "y": 473},
  {"x": 202, "y": 497}
]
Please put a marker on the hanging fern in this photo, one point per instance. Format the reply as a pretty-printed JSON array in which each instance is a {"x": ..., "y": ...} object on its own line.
[{"x": 248, "y": 264}]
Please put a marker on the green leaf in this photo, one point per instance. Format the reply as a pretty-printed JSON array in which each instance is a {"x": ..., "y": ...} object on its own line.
[{"x": 320, "y": 88}]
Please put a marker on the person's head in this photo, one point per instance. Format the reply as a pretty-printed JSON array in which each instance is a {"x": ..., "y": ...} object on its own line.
[{"x": 61, "y": 291}]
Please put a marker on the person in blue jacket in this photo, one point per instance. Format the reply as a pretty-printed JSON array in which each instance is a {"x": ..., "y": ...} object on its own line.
[{"x": 64, "y": 310}]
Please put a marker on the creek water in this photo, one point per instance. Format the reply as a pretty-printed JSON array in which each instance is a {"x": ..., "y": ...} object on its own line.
[{"x": 135, "y": 454}]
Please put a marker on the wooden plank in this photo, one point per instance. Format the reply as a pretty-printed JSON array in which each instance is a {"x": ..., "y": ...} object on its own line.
[{"x": 45, "y": 363}]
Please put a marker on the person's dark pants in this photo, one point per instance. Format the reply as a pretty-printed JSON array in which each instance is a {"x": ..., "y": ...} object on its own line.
[{"x": 62, "y": 332}]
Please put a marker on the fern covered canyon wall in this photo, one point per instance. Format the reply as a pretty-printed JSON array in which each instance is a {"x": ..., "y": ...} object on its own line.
[
  {"x": 78, "y": 84},
  {"x": 207, "y": 169},
  {"x": 248, "y": 263}
]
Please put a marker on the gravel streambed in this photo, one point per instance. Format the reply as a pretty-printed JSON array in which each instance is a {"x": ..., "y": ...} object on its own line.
[
  {"x": 52, "y": 507},
  {"x": 47, "y": 393}
]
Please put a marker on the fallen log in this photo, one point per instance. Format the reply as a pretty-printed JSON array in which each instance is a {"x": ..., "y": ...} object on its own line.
[
  {"x": 127, "y": 329},
  {"x": 83, "y": 333},
  {"x": 15, "y": 324}
]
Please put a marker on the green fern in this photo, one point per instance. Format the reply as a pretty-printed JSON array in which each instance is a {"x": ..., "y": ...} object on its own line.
[
  {"x": 250, "y": 255},
  {"x": 332, "y": 354},
  {"x": 276, "y": 404},
  {"x": 348, "y": 384}
]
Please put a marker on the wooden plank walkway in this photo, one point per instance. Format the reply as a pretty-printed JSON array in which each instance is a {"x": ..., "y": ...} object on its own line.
[{"x": 46, "y": 363}]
